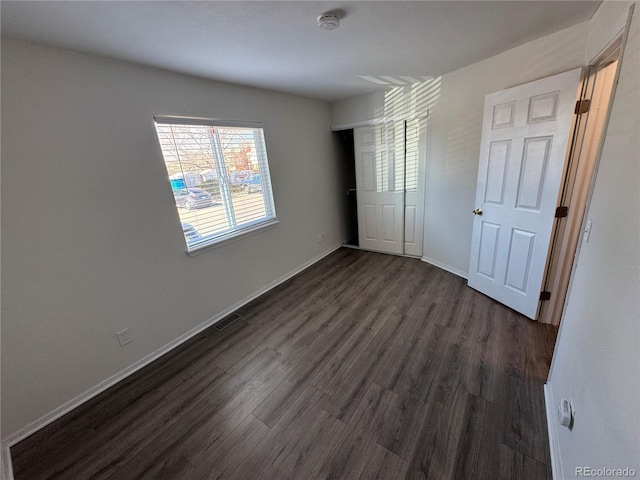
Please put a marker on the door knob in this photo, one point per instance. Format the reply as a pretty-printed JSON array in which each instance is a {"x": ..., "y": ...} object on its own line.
[{"x": 477, "y": 211}]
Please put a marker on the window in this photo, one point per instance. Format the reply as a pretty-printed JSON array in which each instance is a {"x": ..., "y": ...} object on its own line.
[{"x": 219, "y": 175}]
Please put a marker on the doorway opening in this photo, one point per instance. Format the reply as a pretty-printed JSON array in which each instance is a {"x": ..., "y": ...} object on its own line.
[
  {"x": 590, "y": 124},
  {"x": 347, "y": 159},
  {"x": 385, "y": 151},
  {"x": 387, "y": 193}
]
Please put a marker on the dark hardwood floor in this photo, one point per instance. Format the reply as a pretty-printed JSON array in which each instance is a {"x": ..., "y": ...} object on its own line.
[{"x": 362, "y": 366}]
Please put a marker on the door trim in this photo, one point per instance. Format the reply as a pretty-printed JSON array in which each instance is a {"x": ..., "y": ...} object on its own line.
[
  {"x": 578, "y": 182},
  {"x": 379, "y": 121}
]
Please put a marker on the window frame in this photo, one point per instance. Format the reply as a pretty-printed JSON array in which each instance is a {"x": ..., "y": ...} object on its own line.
[{"x": 250, "y": 228}]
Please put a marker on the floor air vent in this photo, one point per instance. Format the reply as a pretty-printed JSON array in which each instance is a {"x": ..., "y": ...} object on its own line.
[{"x": 226, "y": 321}]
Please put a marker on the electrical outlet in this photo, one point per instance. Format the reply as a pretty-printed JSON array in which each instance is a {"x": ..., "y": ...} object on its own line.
[
  {"x": 124, "y": 337},
  {"x": 566, "y": 413},
  {"x": 321, "y": 237}
]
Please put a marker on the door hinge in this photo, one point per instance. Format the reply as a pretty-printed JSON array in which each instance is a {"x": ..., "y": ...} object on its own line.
[
  {"x": 582, "y": 106},
  {"x": 545, "y": 295},
  {"x": 562, "y": 212}
]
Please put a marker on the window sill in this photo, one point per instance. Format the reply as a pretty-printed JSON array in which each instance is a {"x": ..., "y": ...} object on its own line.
[{"x": 233, "y": 236}]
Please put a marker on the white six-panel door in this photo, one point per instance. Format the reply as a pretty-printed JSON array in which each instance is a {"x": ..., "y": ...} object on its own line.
[
  {"x": 379, "y": 152},
  {"x": 524, "y": 142}
]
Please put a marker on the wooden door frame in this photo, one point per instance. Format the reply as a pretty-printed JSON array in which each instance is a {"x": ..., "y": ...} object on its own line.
[{"x": 580, "y": 172}]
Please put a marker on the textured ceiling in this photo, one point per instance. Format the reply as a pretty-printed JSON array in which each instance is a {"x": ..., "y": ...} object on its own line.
[{"x": 277, "y": 45}]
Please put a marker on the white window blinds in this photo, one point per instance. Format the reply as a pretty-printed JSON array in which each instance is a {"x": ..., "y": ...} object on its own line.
[{"x": 219, "y": 175}]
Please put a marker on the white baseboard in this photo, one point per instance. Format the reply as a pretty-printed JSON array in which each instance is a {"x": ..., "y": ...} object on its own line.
[
  {"x": 552, "y": 428},
  {"x": 6, "y": 470},
  {"x": 449, "y": 269},
  {"x": 109, "y": 382}
]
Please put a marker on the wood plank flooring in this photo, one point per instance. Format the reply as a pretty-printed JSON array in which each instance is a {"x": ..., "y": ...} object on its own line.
[{"x": 363, "y": 366}]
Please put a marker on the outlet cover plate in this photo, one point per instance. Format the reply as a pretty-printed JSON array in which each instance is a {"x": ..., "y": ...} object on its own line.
[{"x": 124, "y": 337}]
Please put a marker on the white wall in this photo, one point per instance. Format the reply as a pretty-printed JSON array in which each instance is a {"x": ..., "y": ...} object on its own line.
[
  {"x": 455, "y": 104},
  {"x": 357, "y": 109},
  {"x": 91, "y": 242},
  {"x": 597, "y": 361}
]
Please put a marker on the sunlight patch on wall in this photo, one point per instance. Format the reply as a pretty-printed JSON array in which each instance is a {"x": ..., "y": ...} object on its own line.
[{"x": 406, "y": 98}]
